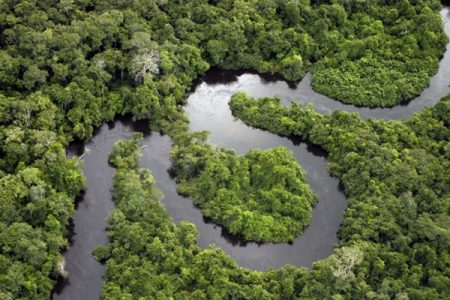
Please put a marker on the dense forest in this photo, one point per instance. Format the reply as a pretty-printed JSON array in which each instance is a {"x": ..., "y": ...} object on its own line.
[
  {"x": 396, "y": 177},
  {"x": 149, "y": 257},
  {"x": 393, "y": 244},
  {"x": 263, "y": 195},
  {"x": 68, "y": 66}
]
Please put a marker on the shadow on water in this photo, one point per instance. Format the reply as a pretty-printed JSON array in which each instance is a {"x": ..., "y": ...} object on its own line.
[
  {"x": 271, "y": 85},
  {"x": 207, "y": 106},
  {"x": 208, "y": 110},
  {"x": 87, "y": 227}
]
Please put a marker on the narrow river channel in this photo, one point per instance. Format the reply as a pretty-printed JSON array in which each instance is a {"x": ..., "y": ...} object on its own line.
[{"x": 208, "y": 110}]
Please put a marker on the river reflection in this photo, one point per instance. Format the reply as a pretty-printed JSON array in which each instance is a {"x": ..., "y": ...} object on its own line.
[
  {"x": 228, "y": 82},
  {"x": 208, "y": 110},
  {"x": 89, "y": 221}
]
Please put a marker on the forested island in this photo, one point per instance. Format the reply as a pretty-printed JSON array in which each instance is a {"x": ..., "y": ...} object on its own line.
[
  {"x": 263, "y": 196},
  {"x": 67, "y": 67}
]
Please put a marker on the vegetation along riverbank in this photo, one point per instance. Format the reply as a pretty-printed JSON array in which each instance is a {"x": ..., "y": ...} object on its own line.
[{"x": 66, "y": 67}]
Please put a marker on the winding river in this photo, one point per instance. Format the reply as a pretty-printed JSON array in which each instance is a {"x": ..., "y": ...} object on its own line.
[{"x": 208, "y": 110}]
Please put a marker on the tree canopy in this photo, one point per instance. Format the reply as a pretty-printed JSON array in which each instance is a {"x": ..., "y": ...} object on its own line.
[
  {"x": 262, "y": 195},
  {"x": 66, "y": 67},
  {"x": 150, "y": 257},
  {"x": 396, "y": 177}
]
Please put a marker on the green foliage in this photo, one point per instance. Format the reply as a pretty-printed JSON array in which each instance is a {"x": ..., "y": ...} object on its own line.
[
  {"x": 38, "y": 184},
  {"x": 385, "y": 54},
  {"x": 262, "y": 196},
  {"x": 82, "y": 53},
  {"x": 122, "y": 153},
  {"x": 150, "y": 257},
  {"x": 373, "y": 82},
  {"x": 33, "y": 222},
  {"x": 368, "y": 53},
  {"x": 396, "y": 177},
  {"x": 68, "y": 66}
]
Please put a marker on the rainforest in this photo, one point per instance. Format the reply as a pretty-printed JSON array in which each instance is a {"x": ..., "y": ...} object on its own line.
[{"x": 224, "y": 149}]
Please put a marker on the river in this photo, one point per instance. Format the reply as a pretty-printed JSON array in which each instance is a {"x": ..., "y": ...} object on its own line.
[{"x": 208, "y": 109}]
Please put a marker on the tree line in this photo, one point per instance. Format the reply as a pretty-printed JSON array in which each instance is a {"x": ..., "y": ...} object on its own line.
[
  {"x": 68, "y": 66},
  {"x": 393, "y": 243},
  {"x": 262, "y": 196},
  {"x": 150, "y": 257},
  {"x": 395, "y": 175}
]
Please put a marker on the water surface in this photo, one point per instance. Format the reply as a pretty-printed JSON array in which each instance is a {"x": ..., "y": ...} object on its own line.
[
  {"x": 221, "y": 83},
  {"x": 208, "y": 110},
  {"x": 85, "y": 273}
]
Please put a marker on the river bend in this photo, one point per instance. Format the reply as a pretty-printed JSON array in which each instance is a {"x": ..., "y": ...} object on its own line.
[{"x": 208, "y": 110}]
